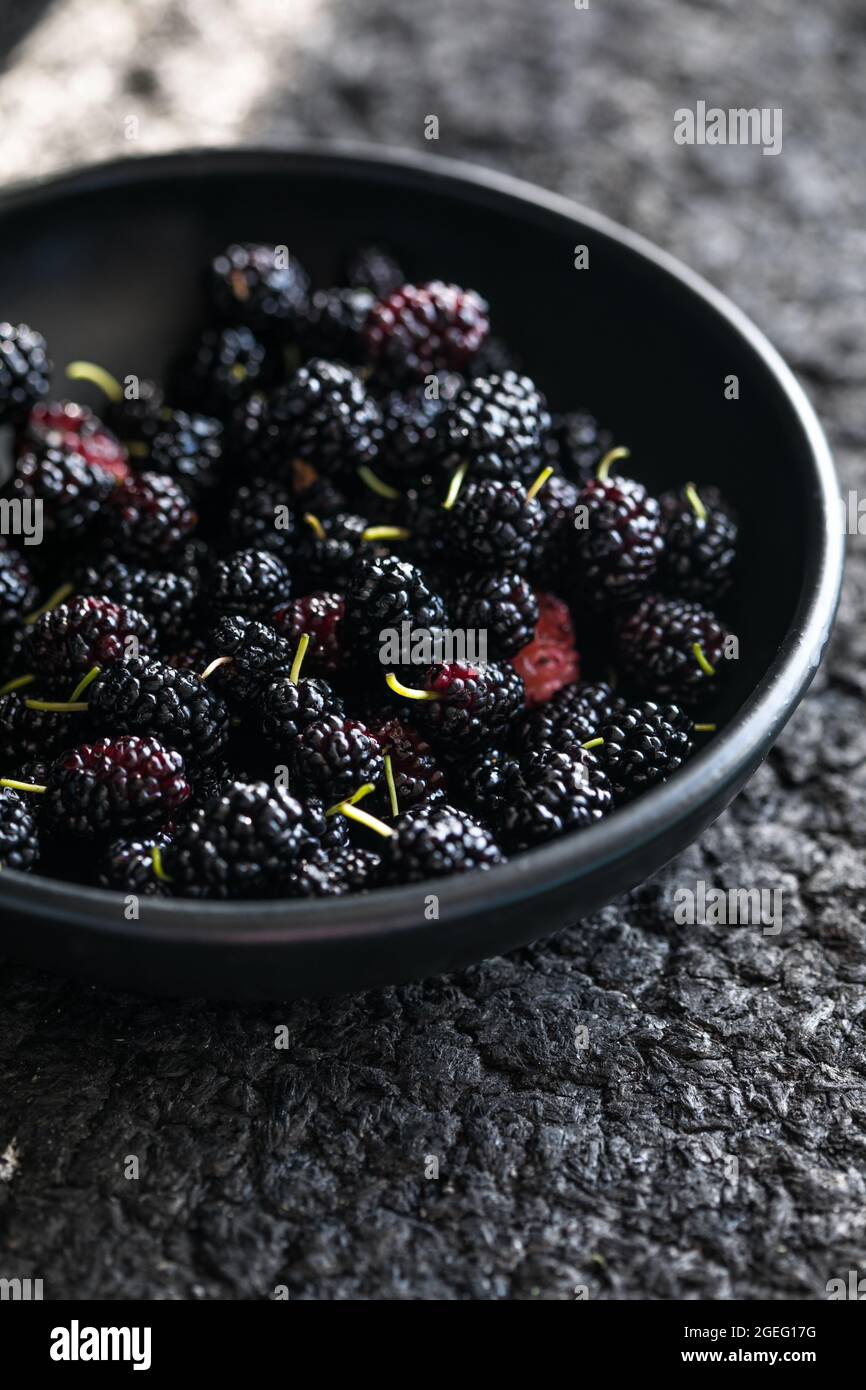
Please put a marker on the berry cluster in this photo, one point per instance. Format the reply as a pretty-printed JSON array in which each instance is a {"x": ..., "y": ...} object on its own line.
[{"x": 197, "y": 697}]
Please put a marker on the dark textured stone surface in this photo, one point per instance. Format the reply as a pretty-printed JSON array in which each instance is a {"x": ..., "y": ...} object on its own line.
[{"x": 608, "y": 1165}]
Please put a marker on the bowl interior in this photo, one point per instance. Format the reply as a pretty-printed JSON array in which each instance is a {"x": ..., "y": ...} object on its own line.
[{"x": 113, "y": 273}]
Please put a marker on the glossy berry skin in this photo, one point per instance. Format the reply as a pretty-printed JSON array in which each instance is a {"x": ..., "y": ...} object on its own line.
[
  {"x": 256, "y": 649},
  {"x": 25, "y": 371},
  {"x": 252, "y": 583},
  {"x": 655, "y": 648},
  {"x": 320, "y": 616},
  {"x": 30, "y": 735},
  {"x": 168, "y": 598},
  {"x": 489, "y": 781},
  {"x": 19, "y": 843},
  {"x": 643, "y": 745},
  {"x": 553, "y": 556},
  {"x": 435, "y": 845},
  {"x": 85, "y": 631},
  {"x": 699, "y": 551},
  {"x": 72, "y": 492},
  {"x": 558, "y": 792},
  {"x": 261, "y": 517},
  {"x": 574, "y": 715},
  {"x": 115, "y": 785},
  {"x": 259, "y": 286},
  {"x": 383, "y": 593},
  {"x": 332, "y": 874},
  {"x": 325, "y": 563},
  {"x": 284, "y": 708},
  {"x": 242, "y": 844},
  {"x": 321, "y": 832},
  {"x": 410, "y": 438},
  {"x": 147, "y": 517},
  {"x": 141, "y": 696},
  {"x": 225, "y": 366},
  {"x": 473, "y": 704},
  {"x": 503, "y": 606},
  {"x": 619, "y": 548},
  {"x": 334, "y": 756},
  {"x": 422, "y": 329},
  {"x": 418, "y": 777},
  {"x": 495, "y": 526},
  {"x": 188, "y": 448},
  {"x": 18, "y": 591},
  {"x": 497, "y": 417},
  {"x": 326, "y": 416},
  {"x": 127, "y": 867},
  {"x": 68, "y": 426}
]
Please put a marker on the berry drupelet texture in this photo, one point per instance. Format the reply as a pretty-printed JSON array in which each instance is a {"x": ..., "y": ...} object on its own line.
[
  {"x": 496, "y": 525},
  {"x": 619, "y": 543},
  {"x": 18, "y": 590},
  {"x": 127, "y": 866},
  {"x": 30, "y": 735},
  {"x": 672, "y": 649},
  {"x": 557, "y": 792},
  {"x": 501, "y": 606},
  {"x": 497, "y": 417},
  {"x": 19, "y": 842},
  {"x": 252, "y": 583},
  {"x": 320, "y": 616},
  {"x": 577, "y": 444},
  {"x": 335, "y": 756},
  {"x": 224, "y": 367},
  {"x": 241, "y": 844},
  {"x": 146, "y": 697},
  {"x": 422, "y": 329},
  {"x": 285, "y": 708},
  {"x": 261, "y": 516},
  {"x": 147, "y": 517},
  {"x": 261, "y": 286},
  {"x": 72, "y": 493},
  {"x": 700, "y": 543},
  {"x": 443, "y": 841},
  {"x": 469, "y": 705},
  {"x": 115, "y": 785},
  {"x": 574, "y": 715},
  {"x": 332, "y": 874},
  {"x": 188, "y": 448},
  {"x": 329, "y": 546},
  {"x": 167, "y": 598},
  {"x": 415, "y": 770},
  {"x": 325, "y": 415},
  {"x": 383, "y": 593},
  {"x": 87, "y": 631},
  {"x": 73, "y": 428},
  {"x": 643, "y": 745},
  {"x": 25, "y": 371}
]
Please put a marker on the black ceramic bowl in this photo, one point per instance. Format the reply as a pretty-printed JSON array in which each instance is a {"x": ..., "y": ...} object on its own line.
[{"x": 106, "y": 263}]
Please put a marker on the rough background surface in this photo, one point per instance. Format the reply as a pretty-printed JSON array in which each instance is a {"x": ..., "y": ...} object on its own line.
[{"x": 609, "y": 1168}]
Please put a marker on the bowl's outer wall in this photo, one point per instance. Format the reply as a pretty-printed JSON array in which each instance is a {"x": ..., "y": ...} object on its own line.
[{"x": 108, "y": 268}]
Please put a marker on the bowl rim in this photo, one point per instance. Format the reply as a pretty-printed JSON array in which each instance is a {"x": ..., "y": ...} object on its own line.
[{"x": 740, "y": 744}]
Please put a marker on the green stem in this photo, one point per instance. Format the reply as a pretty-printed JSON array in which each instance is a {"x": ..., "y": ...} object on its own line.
[
  {"x": 298, "y": 661},
  {"x": 610, "y": 457},
  {"x": 97, "y": 376},
  {"x": 456, "y": 485}
]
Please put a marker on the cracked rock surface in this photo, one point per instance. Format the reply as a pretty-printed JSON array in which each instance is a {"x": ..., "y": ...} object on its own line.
[{"x": 633, "y": 1109}]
